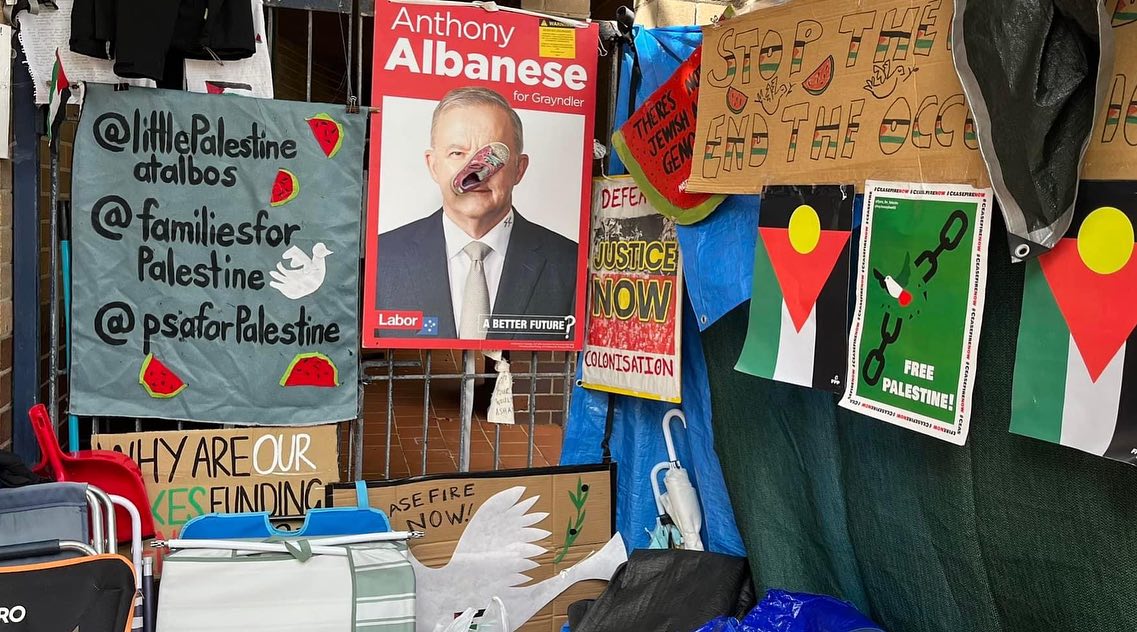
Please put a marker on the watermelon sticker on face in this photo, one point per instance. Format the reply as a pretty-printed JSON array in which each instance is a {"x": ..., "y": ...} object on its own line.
[
  {"x": 311, "y": 369},
  {"x": 158, "y": 380},
  {"x": 328, "y": 133},
  {"x": 285, "y": 188},
  {"x": 818, "y": 81}
]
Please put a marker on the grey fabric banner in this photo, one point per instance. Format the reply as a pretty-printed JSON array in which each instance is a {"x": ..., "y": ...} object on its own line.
[{"x": 215, "y": 258}]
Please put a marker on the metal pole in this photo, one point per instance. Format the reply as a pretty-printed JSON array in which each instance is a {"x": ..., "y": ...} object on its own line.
[
  {"x": 532, "y": 405},
  {"x": 308, "y": 70},
  {"x": 466, "y": 409},
  {"x": 355, "y": 46},
  {"x": 359, "y": 53},
  {"x": 53, "y": 294},
  {"x": 27, "y": 121},
  {"x": 425, "y": 410},
  {"x": 613, "y": 92},
  {"x": 357, "y": 449},
  {"x": 569, "y": 365},
  {"x": 390, "y": 410},
  {"x": 496, "y": 446}
]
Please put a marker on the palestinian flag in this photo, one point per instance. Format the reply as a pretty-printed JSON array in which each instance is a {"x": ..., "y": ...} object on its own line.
[
  {"x": 798, "y": 331},
  {"x": 1075, "y": 371},
  {"x": 57, "y": 104}
]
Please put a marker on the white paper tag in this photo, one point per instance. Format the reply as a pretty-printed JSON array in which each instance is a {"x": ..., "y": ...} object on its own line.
[{"x": 501, "y": 404}]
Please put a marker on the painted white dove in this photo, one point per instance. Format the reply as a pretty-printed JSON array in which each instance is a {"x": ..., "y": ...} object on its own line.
[
  {"x": 304, "y": 274},
  {"x": 500, "y": 539}
]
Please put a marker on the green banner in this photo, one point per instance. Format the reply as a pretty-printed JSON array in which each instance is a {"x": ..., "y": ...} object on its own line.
[{"x": 919, "y": 305}]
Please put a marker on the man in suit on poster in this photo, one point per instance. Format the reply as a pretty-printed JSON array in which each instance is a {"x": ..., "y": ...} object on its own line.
[{"x": 477, "y": 255}]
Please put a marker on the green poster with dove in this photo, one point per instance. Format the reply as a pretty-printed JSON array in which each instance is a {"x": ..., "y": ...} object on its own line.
[{"x": 921, "y": 275}]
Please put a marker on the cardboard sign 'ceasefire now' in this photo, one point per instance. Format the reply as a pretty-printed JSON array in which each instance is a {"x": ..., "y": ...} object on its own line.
[{"x": 544, "y": 525}]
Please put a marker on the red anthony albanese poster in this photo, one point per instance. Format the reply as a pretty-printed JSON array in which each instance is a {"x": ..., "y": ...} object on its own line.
[{"x": 479, "y": 186}]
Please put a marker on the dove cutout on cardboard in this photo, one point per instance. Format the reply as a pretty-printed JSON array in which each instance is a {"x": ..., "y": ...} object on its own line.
[
  {"x": 304, "y": 275},
  {"x": 498, "y": 546}
]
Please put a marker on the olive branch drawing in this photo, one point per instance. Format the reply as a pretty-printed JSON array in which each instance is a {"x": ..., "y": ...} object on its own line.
[{"x": 572, "y": 531}]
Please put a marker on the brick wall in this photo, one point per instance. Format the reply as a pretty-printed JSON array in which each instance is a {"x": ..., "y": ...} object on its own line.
[{"x": 550, "y": 391}]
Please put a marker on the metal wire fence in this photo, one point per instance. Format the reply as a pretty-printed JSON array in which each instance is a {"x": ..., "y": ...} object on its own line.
[{"x": 338, "y": 67}]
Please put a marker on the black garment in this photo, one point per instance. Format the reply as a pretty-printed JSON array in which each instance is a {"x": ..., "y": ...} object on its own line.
[
  {"x": 15, "y": 473},
  {"x": 538, "y": 279},
  {"x": 146, "y": 36}
]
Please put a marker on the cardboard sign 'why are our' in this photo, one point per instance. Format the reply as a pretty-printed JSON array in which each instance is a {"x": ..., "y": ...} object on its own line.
[
  {"x": 281, "y": 471},
  {"x": 823, "y": 91}
]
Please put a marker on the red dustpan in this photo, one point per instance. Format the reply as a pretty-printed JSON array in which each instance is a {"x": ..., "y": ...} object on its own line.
[{"x": 110, "y": 471}]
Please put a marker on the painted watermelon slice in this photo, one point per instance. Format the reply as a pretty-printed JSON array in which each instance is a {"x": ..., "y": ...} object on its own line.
[
  {"x": 311, "y": 369},
  {"x": 736, "y": 100},
  {"x": 328, "y": 133},
  {"x": 664, "y": 184},
  {"x": 158, "y": 380},
  {"x": 818, "y": 81},
  {"x": 665, "y": 192},
  {"x": 285, "y": 188}
]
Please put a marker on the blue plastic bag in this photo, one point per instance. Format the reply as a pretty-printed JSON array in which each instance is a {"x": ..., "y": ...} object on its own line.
[{"x": 783, "y": 611}]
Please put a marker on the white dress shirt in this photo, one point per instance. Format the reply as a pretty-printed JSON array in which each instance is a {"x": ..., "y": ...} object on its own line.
[{"x": 458, "y": 264}]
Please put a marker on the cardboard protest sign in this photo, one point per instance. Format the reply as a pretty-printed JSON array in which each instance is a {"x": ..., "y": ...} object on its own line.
[
  {"x": 1113, "y": 144},
  {"x": 921, "y": 277},
  {"x": 1074, "y": 369},
  {"x": 553, "y": 518},
  {"x": 477, "y": 217},
  {"x": 215, "y": 258},
  {"x": 821, "y": 91},
  {"x": 799, "y": 323},
  {"x": 656, "y": 145},
  {"x": 635, "y": 296},
  {"x": 187, "y": 473}
]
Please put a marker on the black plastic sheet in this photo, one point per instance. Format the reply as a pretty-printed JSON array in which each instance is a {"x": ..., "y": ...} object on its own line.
[
  {"x": 1035, "y": 73},
  {"x": 668, "y": 591}
]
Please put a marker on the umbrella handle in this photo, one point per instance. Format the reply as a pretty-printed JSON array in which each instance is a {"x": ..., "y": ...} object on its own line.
[
  {"x": 48, "y": 443},
  {"x": 659, "y": 467},
  {"x": 672, "y": 414}
]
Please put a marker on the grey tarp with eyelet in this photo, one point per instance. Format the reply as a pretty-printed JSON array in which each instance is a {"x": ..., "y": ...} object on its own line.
[{"x": 1035, "y": 74}]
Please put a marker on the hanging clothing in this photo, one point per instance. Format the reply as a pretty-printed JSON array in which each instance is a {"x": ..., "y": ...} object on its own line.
[{"x": 146, "y": 37}]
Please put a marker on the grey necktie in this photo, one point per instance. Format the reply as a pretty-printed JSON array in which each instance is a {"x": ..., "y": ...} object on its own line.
[{"x": 476, "y": 296}]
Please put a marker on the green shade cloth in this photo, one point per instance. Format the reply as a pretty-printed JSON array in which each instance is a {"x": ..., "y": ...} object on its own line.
[{"x": 1005, "y": 534}]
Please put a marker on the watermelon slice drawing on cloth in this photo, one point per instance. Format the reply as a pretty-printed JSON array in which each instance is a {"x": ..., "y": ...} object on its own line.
[
  {"x": 158, "y": 380},
  {"x": 285, "y": 188},
  {"x": 662, "y": 173},
  {"x": 328, "y": 133},
  {"x": 818, "y": 81},
  {"x": 311, "y": 369}
]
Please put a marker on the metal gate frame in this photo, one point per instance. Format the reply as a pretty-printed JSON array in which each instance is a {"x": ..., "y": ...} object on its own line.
[{"x": 371, "y": 371}]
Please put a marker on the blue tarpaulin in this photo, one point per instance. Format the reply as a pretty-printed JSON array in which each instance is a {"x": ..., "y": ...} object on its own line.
[
  {"x": 723, "y": 240},
  {"x": 718, "y": 258},
  {"x": 637, "y": 445},
  {"x": 657, "y": 53}
]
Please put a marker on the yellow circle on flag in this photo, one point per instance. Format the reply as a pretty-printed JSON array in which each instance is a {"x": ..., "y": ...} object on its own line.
[
  {"x": 805, "y": 229},
  {"x": 1105, "y": 240}
]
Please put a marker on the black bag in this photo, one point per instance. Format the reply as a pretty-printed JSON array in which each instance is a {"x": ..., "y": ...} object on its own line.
[
  {"x": 660, "y": 590},
  {"x": 14, "y": 473}
]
